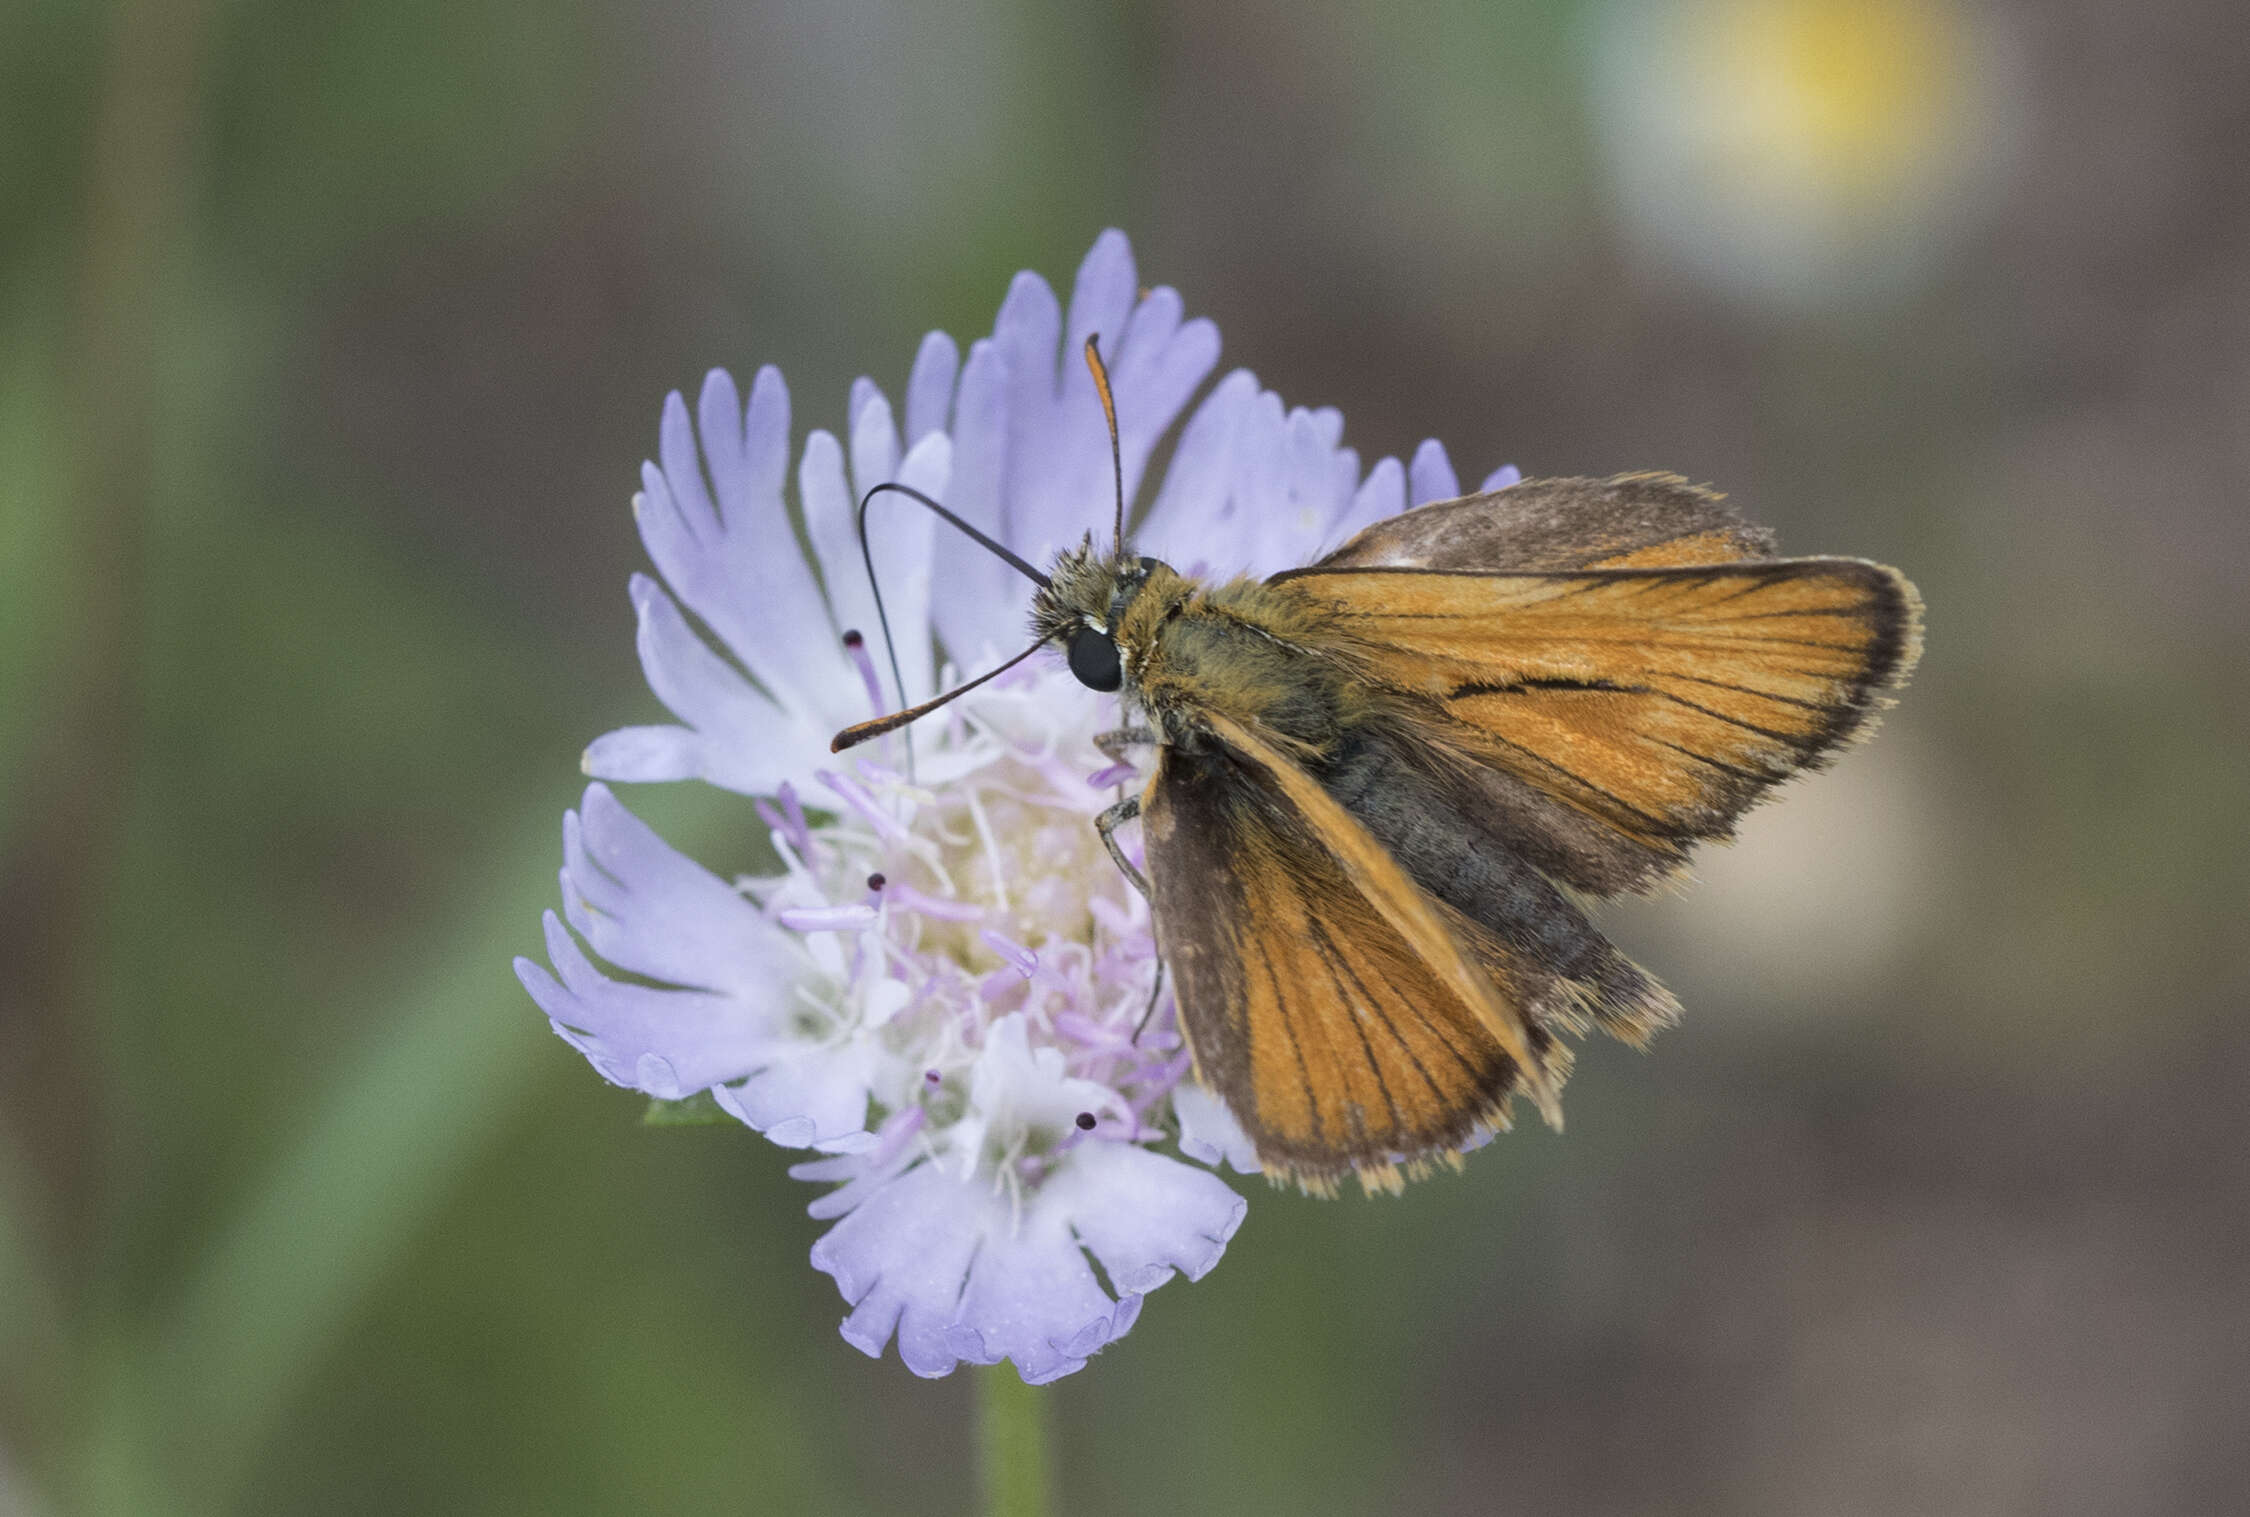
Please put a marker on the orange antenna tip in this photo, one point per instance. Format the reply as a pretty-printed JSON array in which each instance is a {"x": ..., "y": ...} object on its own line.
[{"x": 1100, "y": 371}]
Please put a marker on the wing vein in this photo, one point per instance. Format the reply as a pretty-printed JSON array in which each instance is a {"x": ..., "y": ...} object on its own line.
[
  {"x": 1329, "y": 951},
  {"x": 1719, "y": 764},
  {"x": 1281, "y": 1015},
  {"x": 1578, "y": 779},
  {"x": 1735, "y": 721},
  {"x": 1398, "y": 1118},
  {"x": 1764, "y": 695}
]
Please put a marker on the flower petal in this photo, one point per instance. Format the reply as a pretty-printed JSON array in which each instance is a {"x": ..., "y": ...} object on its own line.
[
  {"x": 899, "y": 535},
  {"x": 641, "y": 754},
  {"x": 648, "y": 908},
  {"x": 865, "y": 392},
  {"x": 745, "y": 742},
  {"x": 728, "y": 551},
  {"x": 903, "y": 558},
  {"x": 1159, "y": 364},
  {"x": 1032, "y": 1299},
  {"x": 1209, "y": 1132},
  {"x": 982, "y": 607},
  {"x": 1027, "y": 332},
  {"x": 1144, "y": 1215},
  {"x": 1057, "y": 484},
  {"x": 808, "y": 1095},
  {"x": 901, "y": 1258},
  {"x": 1381, "y": 494},
  {"x": 1100, "y": 302},
  {"x": 1191, "y": 508},
  {"x": 1018, "y": 1087},
  {"x": 1431, "y": 477},
  {"x": 929, "y": 387},
  {"x": 669, "y": 1043},
  {"x": 683, "y": 469}
]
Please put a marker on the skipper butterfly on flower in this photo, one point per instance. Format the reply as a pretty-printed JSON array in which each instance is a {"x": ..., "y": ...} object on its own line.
[
  {"x": 1377, "y": 788},
  {"x": 1383, "y": 782}
]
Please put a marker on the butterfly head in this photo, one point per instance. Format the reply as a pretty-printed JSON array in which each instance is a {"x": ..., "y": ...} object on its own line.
[
  {"x": 1081, "y": 608},
  {"x": 1088, "y": 610}
]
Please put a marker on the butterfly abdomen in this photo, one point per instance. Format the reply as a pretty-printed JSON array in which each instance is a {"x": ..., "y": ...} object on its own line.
[{"x": 1463, "y": 853}]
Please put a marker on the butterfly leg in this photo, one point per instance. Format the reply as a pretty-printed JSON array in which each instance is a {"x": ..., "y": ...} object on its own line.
[
  {"x": 1108, "y": 823},
  {"x": 1155, "y": 993},
  {"x": 1113, "y": 744}
]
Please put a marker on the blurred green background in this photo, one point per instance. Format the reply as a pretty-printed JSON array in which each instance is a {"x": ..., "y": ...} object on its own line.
[{"x": 331, "y": 336}]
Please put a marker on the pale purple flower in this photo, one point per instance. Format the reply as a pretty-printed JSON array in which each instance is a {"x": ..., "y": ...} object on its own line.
[{"x": 945, "y": 993}]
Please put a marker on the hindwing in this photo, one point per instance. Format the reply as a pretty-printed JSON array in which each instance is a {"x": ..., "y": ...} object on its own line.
[
  {"x": 1631, "y": 521},
  {"x": 1349, "y": 1021}
]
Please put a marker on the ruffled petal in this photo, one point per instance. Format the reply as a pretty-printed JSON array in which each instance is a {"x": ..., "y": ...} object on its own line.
[
  {"x": 865, "y": 392},
  {"x": 648, "y": 908},
  {"x": 1021, "y": 1088},
  {"x": 1032, "y": 1299},
  {"x": 743, "y": 740},
  {"x": 727, "y": 548},
  {"x": 808, "y": 1096},
  {"x": 903, "y": 558},
  {"x": 1158, "y": 367},
  {"x": 1252, "y": 516},
  {"x": 669, "y": 1043},
  {"x": 1077, "y": 491},
  {"x": 901, "y": 1259},
  {"x": 1319, "y": 475},
  {"x": 900, "y": 536},
  {"x": 1254, "y": 486},
  {"x": 1103, "y": 296},
  {"x": 1057, "y": 481},
  {"x": 832, "y": 522},
  {"x": 1144, "y": 1216}
]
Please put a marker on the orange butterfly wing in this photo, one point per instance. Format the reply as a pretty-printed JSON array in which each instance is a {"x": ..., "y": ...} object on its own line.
[
  {"x": 1327, "y": 1000},
  {"x": 1567, "y": 680},
  {"x": 1660, "y": 701}
]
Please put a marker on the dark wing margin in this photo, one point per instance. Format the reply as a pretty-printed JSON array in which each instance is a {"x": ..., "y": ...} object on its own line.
[
  {"x": 1631, "y": 521},
  {"x": 1348, "y": 1036}
]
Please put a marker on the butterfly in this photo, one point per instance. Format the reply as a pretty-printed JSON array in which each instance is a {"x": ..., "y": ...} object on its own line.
[{"x": 1384, "y": 783}]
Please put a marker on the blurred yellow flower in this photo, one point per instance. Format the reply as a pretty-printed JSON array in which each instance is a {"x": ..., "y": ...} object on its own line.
[
  {"x": 1805, "y": 149},
  {"x": 1847, "y": 96}
]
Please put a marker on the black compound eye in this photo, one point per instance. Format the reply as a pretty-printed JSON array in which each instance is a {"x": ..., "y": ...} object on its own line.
[{"x": 1093, "y": 659}]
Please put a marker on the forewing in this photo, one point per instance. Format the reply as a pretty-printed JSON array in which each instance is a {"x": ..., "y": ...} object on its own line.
[
  {"x": 1326, "y": 999},
  {"x": 1658, "y": 702},
  {"x": 1632, "y": 521}
]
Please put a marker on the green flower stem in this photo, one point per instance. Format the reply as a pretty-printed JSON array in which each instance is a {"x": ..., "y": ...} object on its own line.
[{"x": 1013, "y": 1460}]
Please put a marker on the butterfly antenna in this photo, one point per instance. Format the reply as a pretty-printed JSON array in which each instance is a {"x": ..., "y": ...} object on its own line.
[
  {"x": 1100, "y": 371},
  {"x": 860, "y": 732},
  {"x": 882, "y": 617}
]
